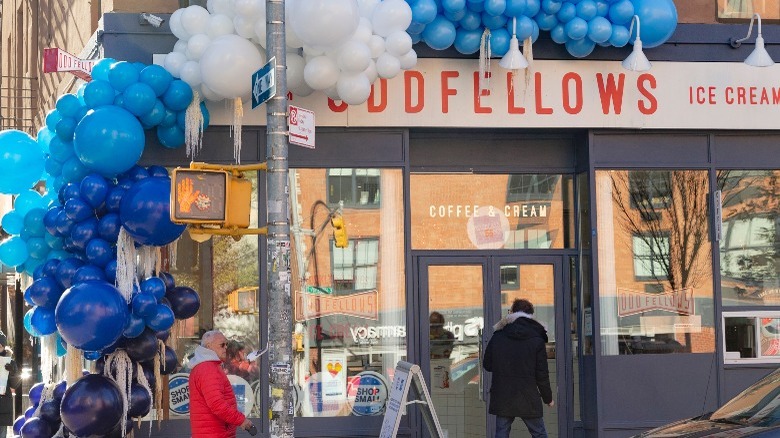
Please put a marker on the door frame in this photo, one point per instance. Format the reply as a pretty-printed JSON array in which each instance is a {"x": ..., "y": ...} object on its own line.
[{"x": 491, "y": 278}]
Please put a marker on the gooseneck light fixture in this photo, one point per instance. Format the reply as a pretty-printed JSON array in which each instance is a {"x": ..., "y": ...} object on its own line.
[
  {"x": 514, "y": 59},
  {"x": 760, "y": 57},
  {"x": 636, "y": 61}
]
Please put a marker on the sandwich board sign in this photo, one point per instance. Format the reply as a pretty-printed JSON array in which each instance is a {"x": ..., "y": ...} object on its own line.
[{"x": 408, "y": 375}]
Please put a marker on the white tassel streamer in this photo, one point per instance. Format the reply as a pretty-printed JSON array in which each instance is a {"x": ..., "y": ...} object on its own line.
[
  {"x": 119, "y": 368},
  {"x": 173, "y": 255},
  {"x": 485, "y": 53},
  {"x": 126, "y": 259},
  {"x": 193, "y": 126},
  {"x": 238, "y": 117},
  {"x": 148, "y": 260},
  {"x": 528, "y": 52},
  {"x": 73, "y": 364}
]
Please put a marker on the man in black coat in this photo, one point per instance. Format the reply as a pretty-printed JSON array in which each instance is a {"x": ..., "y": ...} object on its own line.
[
  {"x": 517, "y": 357},
  {"x": 14, "y": 382}
]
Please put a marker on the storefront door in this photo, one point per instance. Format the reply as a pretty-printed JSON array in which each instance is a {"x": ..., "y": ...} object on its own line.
[{"x": 462, "y": 298}]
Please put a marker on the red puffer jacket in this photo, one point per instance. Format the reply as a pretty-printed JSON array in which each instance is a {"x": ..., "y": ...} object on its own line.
[{"x": 213, "y": 409}]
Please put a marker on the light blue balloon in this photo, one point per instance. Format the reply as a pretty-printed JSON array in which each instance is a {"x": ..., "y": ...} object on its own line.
[
  {"x": 493, "y": 22},
  {"x": 471, "y": 21},
  {"x": 439, "y": 34},
  {"x": 43, "y": 138},
  {"x": 495, "y": 7},
  {"x": 453, "y": 5},
  {"x": 122, "y": 74},
  {"x": 100, "y": 69},
  {"x": 12, "y": 222},
  {"x": 580, "y": 48},
  {"x": 139, "y": 99},
  {"x": 599, "y": 30},
  {"x": 558, "y": 34},
  {"x": 467, "y": 41},
  {"x": 586, "y": 9},
  {"x": 156, "y": 77},
  {"x": 33, "y": 222},
  {"x": 27, "y": 201},
  {"x": 524, "y": 28},
  {"x": 109, "y": 140},
  {"x": 28, "y": 323},
  {"x": 478, "y": 6},
  {"x": 658, "y": 19},
  {"x": 516, "y": 8},
  {"x": 621, "y": 12},
  {"x": 80, "y": 92},
  {"x": 98, "y": 93},
  {"x": 499, "y": 41},
  {"x": 532, "y": 7},
  {"x": 13, "y": 251},
  {"x": 21, "y": 161},
  {"x": 546, "y": 21},
  {"x": 577, "y": 28},
  {"x": 566, "y": 13},
  {"x": 602, "y": 8},
  {"x": 551, "y": 6},
  {"x": 620, "y": 35},
  {"x": 455, "y": 16},
  {"x": 424, "y": 11}
]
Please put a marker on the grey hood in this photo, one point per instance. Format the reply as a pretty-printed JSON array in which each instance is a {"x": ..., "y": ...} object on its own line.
[{"x": 202, "y": 354}]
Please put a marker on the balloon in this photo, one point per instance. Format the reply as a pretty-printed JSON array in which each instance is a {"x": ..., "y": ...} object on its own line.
[
  {"x": 12, "y": 222},
  {"x": 241, "y": 55},
  {"x": 77, "y": 210},
  {"x": 599, "y": 30},
  {"x": 21, "y": 161},
  {"x": 100, "y": 69},
  {"x": 325, "y": 23},
  {"x": 94, "y": 189},
  {"x": 167, "y": 278},
  {"x": 567, "y": 12},
  {"x": 143, "y": 347},
  {"x": 50, "y": 411},
  {"x": 658, "y": 19},
  {"x": 321, "y": 72},
  {"x": 33, "y": 222},
  {"x": 156, "y": 77},
  {"x": 114, "y": 199},
  {"x": 99, "y": 252},
  {"x": 389, "y": 16},
  {"x": 499, "y": 41},
  {"x": 424, "y": 11},
  {"x": 88, "y": 273},
  {"x": 45, "y": 292},
  {"x": 586, "y": 9},
  {"x": 91, "y": 315},
  {"x": 145, "y": 212},
  {"x": 144, "y": 305},
  {"x": 42, "y": 320},
  {"x": 580, "y": 48},
  {"x": 52, "y": 118},
  {"x": 122, "y": 74},
  {"x": 110, "y": 271},
  {"x": 154, "y": 286},
  {"x": 140, "y": 401},
  {"x": 155, "y": 116},
  {"x": 194, "y": 19},
  {"x": 68, "y": 191},
  {"x": 134, "y": 327},
  {"x": 621, "y": 12},
  {"x": 171, "y": 362},
  {"x": 162, "y": 319},
  {"x": 171, "y": 137},
  {"x": 13, "y": 251},
  {"x": 92, "y": 406},
  {"x": 59, "y": 390},
  {"x": 109, "y": 140},
  {"x": 179, "y": 95},
  {"x": 108, "y": 227},
  {"x": 83, "y": 232},
  {"x": 576, "y": 28},
  {"x": 139, "y": 98},
  {"x": 185, "y": 302},
  {"x": 18, "y": 424},
  {"x": 36, "y": 427},
  {"x": 65, "y": 128},
  {"x": 29, "y": 411},
  {"x": 620, "y": 36}
]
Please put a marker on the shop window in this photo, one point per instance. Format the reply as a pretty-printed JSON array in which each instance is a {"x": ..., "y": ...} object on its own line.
[
  {"x": 355, "y": 267},
  {"x": 655, "y": 277},
  {"x": 510, "y": 277},
  {"x": 749, "y": 244},
  {"x": 751, "y": 337},
  {"x": 354, "y": 187},
  {"x": 531, "y": 187},
  {"x": 651, "y": 257},
  {"x": 744, "y": 9}
]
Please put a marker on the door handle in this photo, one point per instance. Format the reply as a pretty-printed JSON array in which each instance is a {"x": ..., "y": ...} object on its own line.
[{"x": 481, "y": 370}]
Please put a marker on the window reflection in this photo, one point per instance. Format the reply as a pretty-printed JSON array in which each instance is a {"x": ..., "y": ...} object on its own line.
[
  {"x": 655, "y": 272},
  {"x": 744, "y": 9}
]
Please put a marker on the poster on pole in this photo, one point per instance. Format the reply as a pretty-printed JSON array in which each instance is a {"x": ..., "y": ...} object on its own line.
[{"x": 408, "y": 376}]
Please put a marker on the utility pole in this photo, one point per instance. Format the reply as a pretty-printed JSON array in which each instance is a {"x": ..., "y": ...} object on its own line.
[{"x": 278, "y": 271}]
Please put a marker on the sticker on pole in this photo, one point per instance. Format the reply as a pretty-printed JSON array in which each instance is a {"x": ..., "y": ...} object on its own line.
[
  {"x": 264, "y": 83},
  {"x": 301, "y": 125}
]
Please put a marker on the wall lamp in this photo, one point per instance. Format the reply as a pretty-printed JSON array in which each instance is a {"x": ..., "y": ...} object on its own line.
[
  {"x": 514, "y": 59},
  {"x": 147, "y": 18},
  {"x": 760, "y": 57},
  {"x": 636, "y": 61}
]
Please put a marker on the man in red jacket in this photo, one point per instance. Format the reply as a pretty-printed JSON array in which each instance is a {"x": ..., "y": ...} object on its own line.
[{"x": 213, "y": 408}]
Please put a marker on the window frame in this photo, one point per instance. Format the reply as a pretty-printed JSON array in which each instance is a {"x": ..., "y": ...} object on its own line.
[
  {"x": 353, "y": 243},
  {"x": 650, "y": 257},
  {"x": 354, "y": 202},
  {"x": 756, "y": 316}
]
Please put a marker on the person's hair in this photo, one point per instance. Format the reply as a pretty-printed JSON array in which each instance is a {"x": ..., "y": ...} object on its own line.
[
  {"x": 208, "y": 337},
  {"x": 233, "y": 349},
  {"x": 521, "y": 305},
  {"x": 436, "y": 318}
]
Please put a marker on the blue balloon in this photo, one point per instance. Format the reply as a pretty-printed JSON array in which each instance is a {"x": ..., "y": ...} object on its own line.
[
  {"x": 28, "y": 200},
  {"x": 599, "y": 30},
  {"x": 476, "y": 6},
  {"x": 36, "y": 427},
  {"x": 99, "y": 252},
  {"x": 68, "y": 191},
  {"x": 44, "y": 292},
  {"x": 586, "y": 9},
  {"x": 577, "y": 28},
  {"x": 493, "y": 21},
  {"x": 61, "y": 150},
  {"x": 91, "y": 315},
  {"x": 108, "y": 227},
  {"x": 162, "y": 319},
  {"x": 49, "y": 269},
  {"x": 185, "y": 301},
  {"x": 94, "y": 189},
  {"x": 100, "y": 69},
  {"x": 516, "y": 8},
  {"x": 50, "y": 411},
  {"x": 98, "y": 93},
  {"x": 156, "y": 77},
  {"x": 439, "y": 34},
  {"x": 524, "y": 28},
  {"x": 21, "y": 161},
  {"x": 140, "y": 401},
  {"x": 551, "y": 6},
  {"x": 109, "y": 140},
  {"x": 153, "y": 286},
  {"x": 28, "y": 321},
  {"x": 134, "y": 327},
  {"x": 145, "y": 212},
  {"x": 52, "y": 118},
  {"x": 168, "y": 279},
  {"x": 65, "y": 128},
  {"x": 545, "y": 21},
  {"x": 621, "y": 12},
  {"x": 144, "y": 305},
  {"x": 12, "y": 222},
  {"x": 169, "y": 119},
  {"x": 111, "y": 271},
  {"x": 43, "y": 320},
  {"x": 178, "y": 95},
  {"x": 424, "y": 11},
  {"x": 18, "y": 424},
  {"x": 532, "y": 7},
  {"x": 77, "y": 209},
  {"x": 33, "y": 222},
  {"x": 80, "y": 412},
  {"x": 453, "y": 5},
  {"x": 495, "y": 7},
  {"x": 567, "y": 12},
  {"x": 53, "y": 242},
  {"x": 43, "y": 137},
  {"x": 37, "y": 249},
  {"x": 580, "y": 48},
  {"x": 122, "y": 74},
  {"x": 172, "y": 137},
  {"x": 467, "y": 41},
  {"x": 171, "y": 362},
  {"x": 139, "y": 99},
  {"x": 13, "y": 251},
  {"x": 73, "y": 170},
  {"x": 66, "y": 270},
  {"x": 620, "y": 36},
  {"x": 154, "y": 116},
  {"x": 53, "y": 167},
  {"x": 471, "y": 21},
  {"x": 157, "y": 171},
  {"x": 658, "y": 19},
  {"x": 114, "y": 198},
  {"x": 83, "y": 232},
  {"x": 143, "y": 347},
  {"x": 64, "y": 224},
  {"x": 499, "y": 41},
  {"x": 88, "y": 273},
  {"x": 602, "y": 8}
]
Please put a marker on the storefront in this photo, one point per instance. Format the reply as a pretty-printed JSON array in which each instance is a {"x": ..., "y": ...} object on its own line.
[{"x": 636, "y": 210}]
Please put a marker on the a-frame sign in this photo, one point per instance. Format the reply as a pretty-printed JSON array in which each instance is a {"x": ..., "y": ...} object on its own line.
[{"x": 408, "y": 375}]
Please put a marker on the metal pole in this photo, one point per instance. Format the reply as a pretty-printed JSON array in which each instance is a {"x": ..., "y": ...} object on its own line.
[{"x": 278, "y": 271}]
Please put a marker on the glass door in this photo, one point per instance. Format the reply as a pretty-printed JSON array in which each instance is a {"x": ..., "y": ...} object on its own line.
[{"x": 461, "y": 300}]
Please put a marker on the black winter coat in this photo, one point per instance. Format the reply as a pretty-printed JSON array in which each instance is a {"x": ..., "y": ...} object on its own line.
[
  {"x": 517, "y": 357},
  {"x": 6, "y": 400}
]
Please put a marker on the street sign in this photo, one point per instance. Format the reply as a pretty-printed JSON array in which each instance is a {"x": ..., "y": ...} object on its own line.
[
  {"x": 301, "y": 125},
  {"x": 57, "y": 60},
  {"x": 264, "y": 83}
]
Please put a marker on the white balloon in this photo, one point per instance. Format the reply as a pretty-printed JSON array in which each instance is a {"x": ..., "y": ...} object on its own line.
[
  {"x": 354, "y": 57},
  {"x": 312, "y": 51},
  {"x": 195, "y": 19},
  {"x": 244, "y": 27},
  {"x": 364, "y": 31},
  {"x": 220, "y": 7},
  {"x": 303, "y": 90},
  {"x": 321, "y": 72},
  {"x": 391, "y": 16},
  {"x": 173, "y": 62},
  {"x": 332, "y": 92},
  {"x": 408, "y": 60},
  {"x": 291, "y": 38},
  {"x": 327, "y": 23},
  {"x": 180, "y": 46},
  {"x": 209, "y": 94},
  {"x": 176, "y": 27},
  {"x": 387, "y": 66},
  {"x": 227, "y": 66},
  {"x": 354, "y": 88},
  {"x": 196, "y": 45},
  {"x": 295, "y": 66},
  {"x": 219, "y": 24},
  {"x": 260, "y": 31},
  {"x": 367, "y": 7},
  {"x": 371, "y": 72},
  {"x": 190, "y": 73},
  {"x": 398, "y": 43},
  {"x": 377, "y": 46},
  {"x": 249, "y": 9}
]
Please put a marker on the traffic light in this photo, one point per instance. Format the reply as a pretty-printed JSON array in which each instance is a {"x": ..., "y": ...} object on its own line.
[{"x": 339, "y": 231}]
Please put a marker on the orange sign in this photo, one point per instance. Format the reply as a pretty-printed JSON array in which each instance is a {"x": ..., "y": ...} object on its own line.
[
  {"x": 631, "y": 302},
  {"x": 361, "y": 305}
]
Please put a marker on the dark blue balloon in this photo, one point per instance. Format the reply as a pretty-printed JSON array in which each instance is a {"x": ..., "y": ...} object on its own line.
[
  {"x": 77, "y": 209},
  {"x": 137, "y": 173},
  {"x": 162, "y": 319},
  {"x": 29, "y": 411},
  {"x": 168, "y": 279},
  {"x": 35, "y": 393},
  {"x": 43, "y": 320},
  {"x": 50, "y": 411},
  {"x": 154, "y": 286},
  {"x": 91, "y": 315},
  {"x": 171, "y": 362},
  {"x": 69, "y": 191},
  {"x": 50, "y": 268},
  {"x": 64, "y": 224},
  {"x": 134, "y": 327},
  {"x": 88, "y": 273},
  {"x": 114, "y": 199},
  {"x": 140, "y": 401},
  {"x": 144, "y": 305},
  {"x": 45, "y": 292},
  {"x": 94, "y": 189},
  {"x": 157, "y": 171},
  {"x": 163, "y": 335},
  {"x": 36, "y": 427},
  {"x": 92, "y": 355},
  {"x": 92, "y": 406},
  {"x": 59, "y": 389},
  {"x": 145, "y": 212},
  {"x": 185, "y": 301},
  {"x": 110, "y": 271},
  {"x": 83, "y": 232},
  {"x": 108, "y": 227},
  {"x": 18, "y": 424},
  {"x": 50, "y": 220},
  {"x": 143, "y": 347},
  {"x": 99, "y": 252}
]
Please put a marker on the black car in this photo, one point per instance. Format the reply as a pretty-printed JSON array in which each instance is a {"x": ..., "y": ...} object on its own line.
[{"x": 755, "y": 412}]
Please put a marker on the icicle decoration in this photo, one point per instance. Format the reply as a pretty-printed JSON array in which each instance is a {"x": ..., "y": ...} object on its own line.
[
  {"x": 73, "y": 360},
  {"x": 485, "y": 54},
  {"x": 238, "y": 117},
  {"x": 528, "y": 52},
  {"x": 145, "y": 384},
  {"x": 126, "y": 259},
  {"x": 173, "y": 253},
  {"x": 119, "y": 368},
  {"x": 193, "y": 126},
  {"x": 46, "y": 394},
  {"x": 48, "y": 356},
  {"x": 149, "y": 257},
  {"x": 158, "y": 409}
]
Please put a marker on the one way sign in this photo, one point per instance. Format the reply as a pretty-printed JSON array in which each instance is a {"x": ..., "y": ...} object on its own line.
[{"x": 264, "y": 83}]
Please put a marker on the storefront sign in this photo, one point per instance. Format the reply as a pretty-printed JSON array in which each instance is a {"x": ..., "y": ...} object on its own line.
[
  {"x": 317, "y": 405},
  {"x": 361, "y": 305},
  {"x": 179, "y": 393},
  {"x": 57, "y": 60},
  {"x": 369, "y": 394},
  {"x": 334, "y": 376},
  {"x": 563, "y": 94},
  {"x": 631, "y": 302}
]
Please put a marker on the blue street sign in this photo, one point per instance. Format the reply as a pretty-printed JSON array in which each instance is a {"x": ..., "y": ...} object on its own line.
[{"x": 264, "y": 83}]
